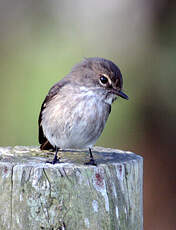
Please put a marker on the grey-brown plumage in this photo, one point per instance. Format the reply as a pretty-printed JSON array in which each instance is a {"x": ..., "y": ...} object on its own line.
[{"x": 74, "y": 112}]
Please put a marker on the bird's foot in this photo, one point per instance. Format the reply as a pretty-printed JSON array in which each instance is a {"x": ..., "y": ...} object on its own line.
[
  {"x": 91, "y": 162},
  {"x": 54, "y": 161}
]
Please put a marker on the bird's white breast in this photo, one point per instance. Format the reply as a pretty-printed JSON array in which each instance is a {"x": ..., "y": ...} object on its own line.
[{"x": 74, "y": 120}]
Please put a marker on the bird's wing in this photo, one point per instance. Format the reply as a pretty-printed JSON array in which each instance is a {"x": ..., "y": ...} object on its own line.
[{"x": 45, "y": 144}]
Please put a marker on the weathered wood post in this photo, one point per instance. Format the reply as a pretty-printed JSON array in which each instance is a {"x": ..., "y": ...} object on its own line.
[{"x": 35, "y": 195}]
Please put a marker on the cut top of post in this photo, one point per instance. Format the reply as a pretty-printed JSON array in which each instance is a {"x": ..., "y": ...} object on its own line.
[{"x": 32, "y": 155}]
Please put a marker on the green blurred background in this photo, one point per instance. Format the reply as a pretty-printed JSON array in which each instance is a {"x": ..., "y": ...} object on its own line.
[{"x": 41, "y": 40}]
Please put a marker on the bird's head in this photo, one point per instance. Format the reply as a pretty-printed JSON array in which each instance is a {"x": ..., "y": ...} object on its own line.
[{"x": 101, "y": 76}]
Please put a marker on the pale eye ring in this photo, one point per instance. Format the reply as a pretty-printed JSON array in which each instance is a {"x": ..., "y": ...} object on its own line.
[{"x": 103, "y": 79}]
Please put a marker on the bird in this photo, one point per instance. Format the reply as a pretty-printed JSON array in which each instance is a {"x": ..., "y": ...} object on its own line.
[{"x": 76, "y": 108}]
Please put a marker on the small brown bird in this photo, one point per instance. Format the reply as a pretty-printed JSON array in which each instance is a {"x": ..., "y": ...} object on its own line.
[{"x": 74, "y": 113}]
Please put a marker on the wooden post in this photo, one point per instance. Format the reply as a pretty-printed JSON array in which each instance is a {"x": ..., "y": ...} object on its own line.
[{"x": 35, "y": 195}]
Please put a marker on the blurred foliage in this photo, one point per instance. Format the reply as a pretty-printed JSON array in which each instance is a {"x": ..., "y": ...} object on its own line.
[
  {"x": 41, "y": 42},
  {"x": 39, "y": 45}
]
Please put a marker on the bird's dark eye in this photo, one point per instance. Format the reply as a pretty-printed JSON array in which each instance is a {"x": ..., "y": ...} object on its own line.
[{"x": 103, "y": 79}]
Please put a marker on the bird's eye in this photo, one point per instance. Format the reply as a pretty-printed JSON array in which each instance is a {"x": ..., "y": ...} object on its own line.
[{"x": 103, "y": 79}]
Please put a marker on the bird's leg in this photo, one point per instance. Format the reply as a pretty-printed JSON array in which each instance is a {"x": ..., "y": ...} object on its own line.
[
  {"x": 91, "y": 161},
  {"x": 55, "y": 159}
]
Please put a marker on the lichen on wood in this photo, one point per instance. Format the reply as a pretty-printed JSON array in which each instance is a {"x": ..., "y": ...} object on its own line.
[{"x": 36, "y": 195}]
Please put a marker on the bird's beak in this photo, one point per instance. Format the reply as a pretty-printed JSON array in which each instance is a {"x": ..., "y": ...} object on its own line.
[{"x": 121, "y": 94}]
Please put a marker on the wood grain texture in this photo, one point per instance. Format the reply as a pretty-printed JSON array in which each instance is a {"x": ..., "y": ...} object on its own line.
[{"x": 36, "y": 195}]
